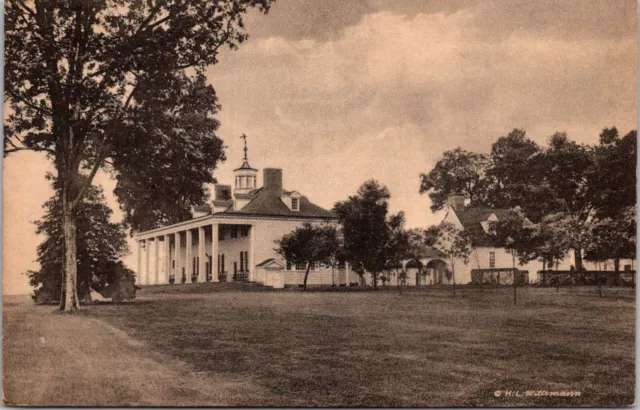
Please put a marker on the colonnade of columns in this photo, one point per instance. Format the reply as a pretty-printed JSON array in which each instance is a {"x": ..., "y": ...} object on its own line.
[{"x": 175, "y": 250}]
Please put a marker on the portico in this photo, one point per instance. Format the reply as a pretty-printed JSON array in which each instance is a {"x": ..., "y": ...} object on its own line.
[{"x": 196, "y": 252}]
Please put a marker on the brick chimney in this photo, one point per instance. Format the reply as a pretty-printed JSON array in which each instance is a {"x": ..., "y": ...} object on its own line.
[
  {"x": 455, "y": 201},
  {"x": 223, "y": 192},
  {"x": 272, "y": 178}
]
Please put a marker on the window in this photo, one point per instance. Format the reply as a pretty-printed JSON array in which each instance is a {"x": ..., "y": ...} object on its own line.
[
  {"x": 492, "y": 259},
  {"x": 288, "y": 264},
  {"x": 301, "y": 266},
  {"x": 221, "y": 263},
  {"x": 244, "y": 261},
  {"x": 244, "y": 231},
  {"x": 295, "y": 204},
  {"x": 234, "y": 233}
]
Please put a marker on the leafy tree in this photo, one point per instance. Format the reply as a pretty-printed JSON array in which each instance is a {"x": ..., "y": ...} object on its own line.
[
  {"x": 100, "y": 243},
  {"x": 509, "y": 173},
  {"x": 458, "y": 171},
  {"x": 613, "y": 238},
  {"x": 310, "y": 245},
  {"x": 613, "y": 180},
  {"x": 562, "y": 170},
  {"x": 613, "y": 183},
  {"x": 456, "y": 243},
  {"x": 515, "y": 235},
  {"x": 120, "y": 85},
  {"x": 397, "y": 247},
  {"x": 548, "y": 244},
  {"x": 366, "y": 231}
]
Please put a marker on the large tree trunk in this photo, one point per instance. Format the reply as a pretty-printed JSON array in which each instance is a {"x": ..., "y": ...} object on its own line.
[
  {"x": 578, "y": 258},
  {"x": 71, "y": 301}
]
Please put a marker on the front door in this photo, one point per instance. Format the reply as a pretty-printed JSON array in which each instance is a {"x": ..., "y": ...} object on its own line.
[{"x": 235, "y": 271}]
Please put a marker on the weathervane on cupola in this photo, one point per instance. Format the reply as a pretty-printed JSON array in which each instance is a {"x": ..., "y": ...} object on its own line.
[{"x": 245, "y": 175}]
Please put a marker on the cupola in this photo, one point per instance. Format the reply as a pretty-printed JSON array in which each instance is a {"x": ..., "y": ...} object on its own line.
[{"x": 245, "y": 176}]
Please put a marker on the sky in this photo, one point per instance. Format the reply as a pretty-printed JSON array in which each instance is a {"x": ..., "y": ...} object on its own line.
[{"x": 336, "y": 92}]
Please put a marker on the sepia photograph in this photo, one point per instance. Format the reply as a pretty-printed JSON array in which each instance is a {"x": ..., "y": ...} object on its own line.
[{"x": 306, "y": 203}]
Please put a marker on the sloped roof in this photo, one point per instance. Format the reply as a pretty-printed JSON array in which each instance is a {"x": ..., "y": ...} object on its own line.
[
  {"x": 270, "y": 263},
  {"x": 431, "y": 252},
  {"x": 267, "y": 202},
  {"x": 471, "y": 217},
  {"x": 245, "y": 165}
]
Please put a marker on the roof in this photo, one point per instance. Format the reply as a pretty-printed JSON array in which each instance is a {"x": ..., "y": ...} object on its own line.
[
  {"x": 471, "y": 217},
  {"x": 266, "y": 201},
  {"x": 431, "y": 252},
  {"x": 245, "y": 165},
  {"x": 270, "y": 263}
]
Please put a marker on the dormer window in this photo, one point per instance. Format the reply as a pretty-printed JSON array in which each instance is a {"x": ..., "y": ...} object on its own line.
[
  {"x": 292, "y": 200},
  {"x": 486, "y": 225}
]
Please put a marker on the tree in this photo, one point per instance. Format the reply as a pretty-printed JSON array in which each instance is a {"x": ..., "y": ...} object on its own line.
[
  {"x": 613, "y": 238},
  {"x": 613, "y": 185},
  {"x": 100, "y": 244},
  {"x": 458, "y": 171},
  {"x": 515, "y": 234},
  {"x": 509, "y": 173},
  {"x": 548, "y": 245},
  {"x": 119, "y": 85},
  {"x": 397, "y": 247},
  {"x": 563, "y": 170},
  {"x": 456, "y": 243},
  {"x": 309, "y": 245},
  {"x": 366, "y": 231}
]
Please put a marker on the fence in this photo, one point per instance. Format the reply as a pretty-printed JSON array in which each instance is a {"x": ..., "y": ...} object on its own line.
[
  {"x": 565, "y": 277},
  {"x": 499, "y": 276}
]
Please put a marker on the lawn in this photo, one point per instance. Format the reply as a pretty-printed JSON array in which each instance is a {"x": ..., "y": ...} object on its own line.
[
  {"x": 355, "y": 348},
  {"x": 422, "y": 348}
]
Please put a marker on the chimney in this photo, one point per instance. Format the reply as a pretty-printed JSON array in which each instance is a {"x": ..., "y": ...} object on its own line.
[
  {"x": 272, "y": 178},
  {"x": 223, "y": 193},
  {"x": 455, "y": 201}
]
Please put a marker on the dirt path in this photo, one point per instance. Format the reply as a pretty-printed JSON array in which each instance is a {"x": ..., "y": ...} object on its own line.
[{"x": 56, "y": 360}]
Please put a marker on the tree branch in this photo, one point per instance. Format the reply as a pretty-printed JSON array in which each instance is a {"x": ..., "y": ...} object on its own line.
[
  {"x": 28, "y": 149},
  {"x": 26, "y": 102},
  {"x": 96, "y": 166},
  {"x": 26, "y": 8}
]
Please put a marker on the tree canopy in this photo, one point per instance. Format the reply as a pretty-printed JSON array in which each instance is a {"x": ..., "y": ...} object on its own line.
[
  {"x": 101, "y": 244},
  {"x": 309, "y": 245},
  {"x": 366, "y": 233}
]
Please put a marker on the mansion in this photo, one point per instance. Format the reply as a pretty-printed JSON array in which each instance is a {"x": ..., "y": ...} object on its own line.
[{"x": 233, "y": 238}]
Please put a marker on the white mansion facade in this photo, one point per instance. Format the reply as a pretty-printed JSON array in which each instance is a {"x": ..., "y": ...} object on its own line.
[{"x": 233, "y": 239}]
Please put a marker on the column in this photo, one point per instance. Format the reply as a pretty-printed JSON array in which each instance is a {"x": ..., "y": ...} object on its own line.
[
  {"x": 167, "y": 258},
  {"x": 214, "y": 252},
  {"x": 252, "y": 252},
  {"x": 178, "y": 257},
  {"x": 202, "y": 257},
  {"x": 189, "y": 254},
  {"x": 139, "y": 270},
  {"x": 347, "y": 273},
  {"x": 156, "y": 268},
  {"x": 147, "y": 271}
]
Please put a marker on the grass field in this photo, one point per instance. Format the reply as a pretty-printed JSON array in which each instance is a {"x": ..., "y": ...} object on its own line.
[{"x": 421, "y": 348}]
